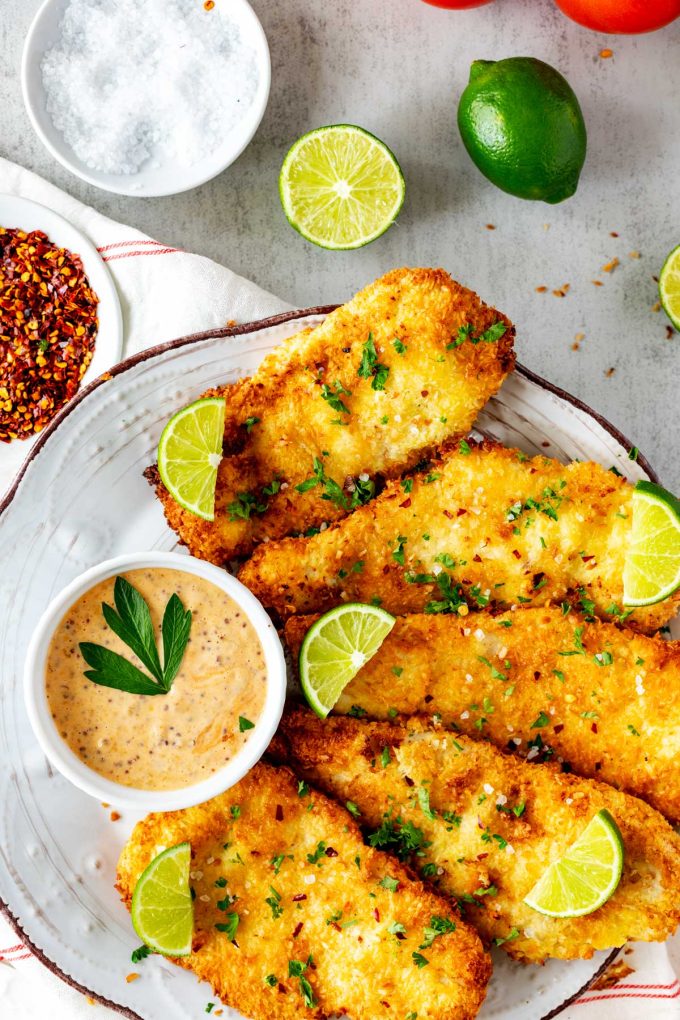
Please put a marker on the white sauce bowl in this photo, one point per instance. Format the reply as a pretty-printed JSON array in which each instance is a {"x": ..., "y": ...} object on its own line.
[
  {"x": 80, "y": 774},
  {"x": 150, "y": 182}
]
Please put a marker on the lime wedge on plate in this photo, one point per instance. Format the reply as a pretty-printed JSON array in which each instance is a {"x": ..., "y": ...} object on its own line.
[
  {"x": 162, "y": 908},
  {"x": 189, "y": 453},
  {"x": 586, "y": 876},
  {"x": 651, "y": 571},
  {"x": 340, "y": 187},
  {"x": 336, "y": 647},
  {"x": 669, "y": 287}
]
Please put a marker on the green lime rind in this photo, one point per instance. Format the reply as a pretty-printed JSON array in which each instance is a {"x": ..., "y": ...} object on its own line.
[
  {"x": 189, "y": 452},
  {"x": 331, "y": 196},
  {"x": 586, "y": 876},
  {"x": 523, "y": 128},
  {"x": 651, "y": 570},
  {"x": 669, "y": 287},
  {"x": 336, "y": 647},
  {"x": 162, "y": 909}
]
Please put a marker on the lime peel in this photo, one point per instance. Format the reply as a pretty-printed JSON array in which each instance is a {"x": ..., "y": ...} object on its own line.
[
  {"x": 336, "y": 647},
  {"x": 586, "y": 876},
  {"x": 162, "y": 909}
]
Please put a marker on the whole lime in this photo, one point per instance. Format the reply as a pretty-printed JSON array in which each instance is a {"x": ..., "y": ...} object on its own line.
[{"x": 523, "y": 128}]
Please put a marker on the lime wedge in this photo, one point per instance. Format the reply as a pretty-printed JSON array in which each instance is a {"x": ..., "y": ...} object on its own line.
[
  {"x": 669, "y": 287},
  {"x": 162, "y": 908},
  {"x": 651, "y": 571},
  {"x": 586, "y": 876},
  {"x": 341, "y": 187},
  {"x": 336, "y": 647},
  {"x": 189, "y": 453}
]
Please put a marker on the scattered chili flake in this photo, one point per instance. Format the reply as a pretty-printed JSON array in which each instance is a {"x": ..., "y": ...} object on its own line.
[
  {"x": 114, "y": 816},
  {"x": 670, "y": 332},
  {"x": 612, "y": 233},
  {"x": 541, "y": 290},
  {"x": 609, "y": 267},
  {"x": 131, "y": 977},
  {"x": 208, "y": 5},
  {"x": 598, "y": 283},
  {"x": 656, "y": 307},
  {"x": 490, "y": 226},
  {"x": 633, "y": 254},
  {"x": 48, "y": 325},
  {"x": 90, "y": 1001},
  {"x": 606, "y": 54},
  {"x": 609, "y": 373}
]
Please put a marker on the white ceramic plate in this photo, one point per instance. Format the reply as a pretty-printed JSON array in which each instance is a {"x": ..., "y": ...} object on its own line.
[
  {"x": 20, "y": 213},
  {"x": 166, "y": 180},
  {"x": 58, "y": 848}
]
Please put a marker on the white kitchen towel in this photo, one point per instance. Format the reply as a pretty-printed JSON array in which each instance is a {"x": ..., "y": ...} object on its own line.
[{"x": 166, "y": 293}]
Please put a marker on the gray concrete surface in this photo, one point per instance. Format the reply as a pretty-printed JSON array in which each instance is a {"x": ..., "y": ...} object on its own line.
[{"x": 397, "y": 68}]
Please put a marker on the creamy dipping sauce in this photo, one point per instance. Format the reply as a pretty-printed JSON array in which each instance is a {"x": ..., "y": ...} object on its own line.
[{"x": 165, "y": 741}]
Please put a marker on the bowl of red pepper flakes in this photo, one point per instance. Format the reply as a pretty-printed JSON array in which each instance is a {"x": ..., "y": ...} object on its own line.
[{"x": 48, "y": 328}]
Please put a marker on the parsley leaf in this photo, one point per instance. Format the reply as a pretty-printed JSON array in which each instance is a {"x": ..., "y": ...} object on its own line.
[{"x": 131, "y": 622}]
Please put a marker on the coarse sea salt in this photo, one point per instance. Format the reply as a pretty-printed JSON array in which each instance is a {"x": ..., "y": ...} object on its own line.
[{"x": 135, "y": 86}]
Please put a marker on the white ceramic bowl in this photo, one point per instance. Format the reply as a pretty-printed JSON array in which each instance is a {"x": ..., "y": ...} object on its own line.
[
  {"x": 147, "y": 182},
  {"x": 70, "y": 765}
]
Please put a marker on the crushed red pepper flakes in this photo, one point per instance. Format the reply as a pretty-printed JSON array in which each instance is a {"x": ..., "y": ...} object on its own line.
[
  {"x": 131, "y": 977},
  {"x": 606, "y": 54},
  {"x": 670, "y": 332},
  {"x": 114, "y": 816},
  {"x": 609, "y": 373},
  {"x": 541, "y": 290},
  {"x": 48, "y": 325},
  {"x": 609, "y": 267}
]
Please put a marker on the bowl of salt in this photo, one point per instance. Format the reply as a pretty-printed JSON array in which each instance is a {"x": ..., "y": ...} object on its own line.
[{"x": 146, "y": 99}]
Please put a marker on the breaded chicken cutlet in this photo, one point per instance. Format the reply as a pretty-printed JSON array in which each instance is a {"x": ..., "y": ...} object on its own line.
[
  {"x": 603, "y": 699},
  {"x": 400, "y": 371},
  {"x": 484, "y": 526},
  {"x": 484, "y": 826},
  {"x": 317, "y": 911}
]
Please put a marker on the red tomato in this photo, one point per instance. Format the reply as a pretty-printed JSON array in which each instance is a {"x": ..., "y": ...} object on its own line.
[
  {"x": 621, "y": 16},
  {"x": 457, "y": 5}
]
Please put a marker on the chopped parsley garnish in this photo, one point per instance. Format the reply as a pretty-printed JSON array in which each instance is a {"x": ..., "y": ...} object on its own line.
[
  {"x": 353, "y": 809},
  {"x": 235, "y": 811},
  {"x": 461, "y": 336},
  {"x": 296, "y": 968},
  {"x": 589, "y": 715},
  {"x": 357, "y": 712},
  {"x": 399, "y": 347},
  {"x": 437, "y": 926},
  {"x": 277, "y": 861},
  {"x": 397, "y": 928},
  {"x": 397, "y": 670},
  {"x": 398, "y": 552},
  {"x": 542, "y": 720},
  {"x": 451, "y": 818},
  {"x": 389, "y": 883},
  {"x": 274, "y": 901},
  {"x": 229, "y": 926},
  {"x": 271, "y": 980},
  {"x": 140, "y": 953},
  {"x": 404, "y": 838},
  {"x": 424, "y": 801},
  {"x": 370, "y": 367},
  {"x": 464, "y": 447},
  {"x": 419, "y": 960},
  {"x": 631, "y": 729},
  {"x": 332, "y": 396},
  {"x": 385, "y": 758},
  {"x": 221, "y": 882},
  {"x": 634, "y": 453},
  {"x": 303, "y": 789},
  {"x": 510, "y": 937},
  {"x": 250, "y": 423},
  {"x": 320, "y": 852},
  {"x": 245, "y": 724},
  {"x": 603, "y": 658},
  {"x": 452, "y": 597},
  {"x": 244, "y": 506},
  {"x": 407, "y": 485}
]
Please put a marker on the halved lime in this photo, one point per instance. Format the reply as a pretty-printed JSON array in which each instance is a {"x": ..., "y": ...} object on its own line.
[
  {"x": 162, "y": 908},
  {"x": 189, "y": 453},
  {"x": 341, "y": 187},
  {"x": 336, "y": 647},
  {"x": 586, "y": 876},
  {"x": 651, "y": 571},
  {"x": 669, "y": 287}
]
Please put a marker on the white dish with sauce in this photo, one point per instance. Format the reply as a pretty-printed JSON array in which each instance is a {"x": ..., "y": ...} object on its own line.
[{"x": 138, "y": 721}]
